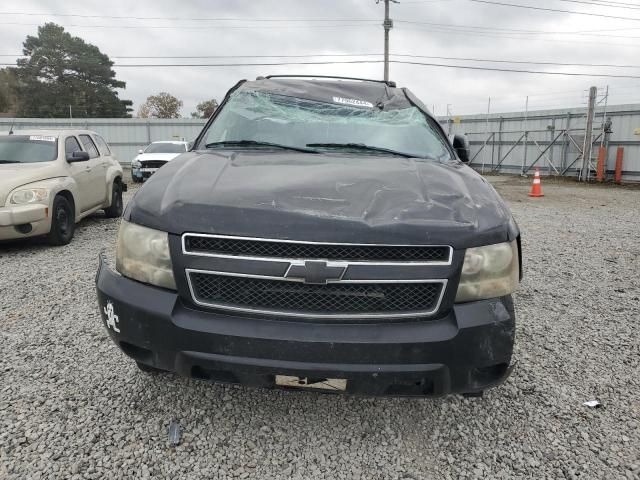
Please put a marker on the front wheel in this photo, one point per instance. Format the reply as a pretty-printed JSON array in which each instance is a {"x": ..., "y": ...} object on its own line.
[
  {"x": 115, "y": 210},
  {"x": 63, "y": 222}
]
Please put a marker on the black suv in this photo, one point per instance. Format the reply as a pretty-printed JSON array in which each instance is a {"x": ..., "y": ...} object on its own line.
[{"x": 323, "y": 234}]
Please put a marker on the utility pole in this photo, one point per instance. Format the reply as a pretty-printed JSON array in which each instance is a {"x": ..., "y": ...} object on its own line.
[
  {"x": 388, "y": 25},
  {"x": 588, "y": 135}
]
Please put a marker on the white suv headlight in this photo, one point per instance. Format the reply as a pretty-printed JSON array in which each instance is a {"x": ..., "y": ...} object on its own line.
[
  {"x": 489, "y": 272},
  {"x": 143, "y": 254},
  {"x": 30, "y": 195}
]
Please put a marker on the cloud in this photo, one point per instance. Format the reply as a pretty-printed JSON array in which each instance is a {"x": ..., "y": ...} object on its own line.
[{"x": 466, "y": 91}]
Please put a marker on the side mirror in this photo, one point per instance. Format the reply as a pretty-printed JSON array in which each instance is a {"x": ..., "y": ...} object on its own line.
[
  {"x": 140, "y": 151},
  {"x": 461, "y": 146},
  {"x": 78, "y": 157}
]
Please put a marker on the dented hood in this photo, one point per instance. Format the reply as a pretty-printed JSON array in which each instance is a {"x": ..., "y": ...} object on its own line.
[{"x": 329, "y": 198}]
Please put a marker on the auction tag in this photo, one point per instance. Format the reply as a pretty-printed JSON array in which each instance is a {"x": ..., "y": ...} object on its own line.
[
  {"x": 353, "y": 102},
  {"x": 42, "y": 138}
]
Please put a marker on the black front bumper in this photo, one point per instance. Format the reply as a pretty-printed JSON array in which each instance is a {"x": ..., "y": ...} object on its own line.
[{"x": 466, "y": 350}]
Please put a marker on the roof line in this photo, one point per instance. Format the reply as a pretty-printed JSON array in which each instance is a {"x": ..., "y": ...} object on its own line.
[{"x": 388, "y": 83}]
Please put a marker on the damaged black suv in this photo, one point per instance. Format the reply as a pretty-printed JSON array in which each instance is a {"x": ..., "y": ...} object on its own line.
[{"x": 321, "y": 234}]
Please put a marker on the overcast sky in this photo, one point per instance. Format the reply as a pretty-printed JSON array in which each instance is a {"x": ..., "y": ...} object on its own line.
[{"x": 483, "y": 33}]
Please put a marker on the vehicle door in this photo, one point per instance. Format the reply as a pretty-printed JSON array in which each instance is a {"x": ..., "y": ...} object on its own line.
[
  {"x": 80, "y": 172},
  {"x": 97, "y": 184},
  {"x": 105, "y": 152}
]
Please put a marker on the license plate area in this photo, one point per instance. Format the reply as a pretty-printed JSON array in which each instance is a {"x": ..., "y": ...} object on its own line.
[
  {"x": 312, "y": 383},
  {"x": 148, "y": 170}
]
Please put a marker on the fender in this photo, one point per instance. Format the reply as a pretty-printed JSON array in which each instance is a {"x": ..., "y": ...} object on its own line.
[
  {"x": 54, "y": 186},
  {"x": 113, "y": 171}
]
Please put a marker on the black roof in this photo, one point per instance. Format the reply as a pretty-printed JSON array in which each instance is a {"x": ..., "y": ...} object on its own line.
[{"x": 349, "y": 91}]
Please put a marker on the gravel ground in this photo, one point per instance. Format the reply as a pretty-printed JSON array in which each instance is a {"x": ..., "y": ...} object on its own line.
[{"x": 72, "y": 406}]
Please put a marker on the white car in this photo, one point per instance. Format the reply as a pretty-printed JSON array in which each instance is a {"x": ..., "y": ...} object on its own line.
[
  {"x": 51, "y": 179},
  {"x": 155, "y": 156}
]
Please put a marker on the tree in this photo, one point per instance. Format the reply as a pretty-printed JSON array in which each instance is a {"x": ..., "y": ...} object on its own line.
[
  {"x": 63, "y": 73},
  {"x": 162, "y": 105},
  {"x": 8, "y": 88},
  {"x": 205, "y": 109}
]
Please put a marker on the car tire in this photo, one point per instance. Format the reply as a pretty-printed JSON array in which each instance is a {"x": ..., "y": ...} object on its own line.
[
  {"x": 63, "y": 222},
  {"x": 115, "y": 210},
  {"x": 148, "y": 368}
]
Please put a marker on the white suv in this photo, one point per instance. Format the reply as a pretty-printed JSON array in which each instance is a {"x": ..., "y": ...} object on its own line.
[
  {"x": 154, "y": 156},
  {"x": 51, "y": 179}
]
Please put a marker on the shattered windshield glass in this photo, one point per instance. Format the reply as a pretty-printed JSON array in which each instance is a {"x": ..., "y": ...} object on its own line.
[{"x": 360, "y": 128}]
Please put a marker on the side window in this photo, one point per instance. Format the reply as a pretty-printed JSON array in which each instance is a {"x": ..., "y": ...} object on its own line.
[
  {"x": 71, "y": 145},
  {"x": 102, "y": 145},
  {"x": 89, "y": 146}
]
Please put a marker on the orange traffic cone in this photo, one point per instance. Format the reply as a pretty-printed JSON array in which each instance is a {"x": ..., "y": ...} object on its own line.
[{"x": 536, "y": 188}]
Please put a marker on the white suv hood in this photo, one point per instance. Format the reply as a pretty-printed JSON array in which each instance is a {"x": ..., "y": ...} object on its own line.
[{"x": 165, "y": 157}]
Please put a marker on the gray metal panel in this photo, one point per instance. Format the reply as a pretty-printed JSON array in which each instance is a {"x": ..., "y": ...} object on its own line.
[
  {"x": 125, "y": 136},
  {"x": 128, "y": 135},
  {"x": 542, "y": 124}
]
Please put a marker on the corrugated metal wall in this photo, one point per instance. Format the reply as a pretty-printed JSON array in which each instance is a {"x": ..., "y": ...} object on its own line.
[
  {"x": 125, "y": 135},
  {"x": 128, "y": 135},
  {"x": 544, "y": 126}
]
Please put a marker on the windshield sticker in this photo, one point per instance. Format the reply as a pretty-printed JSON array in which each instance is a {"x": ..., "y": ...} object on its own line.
[
  {"x": 353, "y": 101},
  {"x": 42, "y": 138}
]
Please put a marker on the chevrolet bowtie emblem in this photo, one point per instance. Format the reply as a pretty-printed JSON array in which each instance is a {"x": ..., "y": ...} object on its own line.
[{"x": 316, "y": 271}]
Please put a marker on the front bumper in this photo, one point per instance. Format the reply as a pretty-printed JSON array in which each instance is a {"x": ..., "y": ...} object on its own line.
[
  {"x": 467, "y": 350},
  {"x": 35, "y": 216},
  {"x": 140, "y": 174}
]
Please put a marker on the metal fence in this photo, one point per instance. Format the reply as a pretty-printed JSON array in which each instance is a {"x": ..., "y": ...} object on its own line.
[
  {"x": 508, "y": 142},
  {"x": 550, "y": 139},
  {"x": 125, "y": 135}
]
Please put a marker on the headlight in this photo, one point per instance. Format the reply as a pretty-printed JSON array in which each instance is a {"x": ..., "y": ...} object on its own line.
[
  {"x": 31, "y": 195},
  {"x": 136, "y": 164},
  {"x": 143, "y": 254},
  {"x": 489, "y": 272}
]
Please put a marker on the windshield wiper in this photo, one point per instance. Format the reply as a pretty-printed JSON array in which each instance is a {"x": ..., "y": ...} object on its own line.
[
  {"x": 362, "y": 146},
  {"x": 9, "y": 161},
  {"x": 242, "y": 143}
]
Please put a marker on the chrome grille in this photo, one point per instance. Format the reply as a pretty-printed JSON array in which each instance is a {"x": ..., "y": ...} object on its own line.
[
  {"x": 152, "y": 163},
  {"x": 340, "y": 299},
  {"x": 315, "y": 279},
  {"x": 223, "y": 245}
]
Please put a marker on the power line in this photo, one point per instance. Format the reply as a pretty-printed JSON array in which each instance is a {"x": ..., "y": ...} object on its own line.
[
  {"x": 539, "y": 72},
  {"x": 531, "y": 7},
  {"x": 228, "y": 56},
  {"x": 629, "y": 6},
  {"x": 401, "y": 62},
  {"x": 487, "y": 31},
  {"x": 528, "y": 62},
  {"x": 408, "y": 55},
  {"x": 206, "y": 19},
  {"x": 514, "y": 30},
  {"x": 512, "y": 37},
  {"x": 208, "y": 27}
]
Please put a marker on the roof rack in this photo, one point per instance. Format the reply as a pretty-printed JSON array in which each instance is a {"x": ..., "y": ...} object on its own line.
[{"x": 388, "y": 83}]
